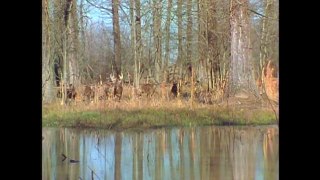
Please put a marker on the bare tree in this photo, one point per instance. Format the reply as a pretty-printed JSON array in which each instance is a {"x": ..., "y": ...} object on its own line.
[
  {"x": 180, "y": 52},
  {"x": 47, "y": 63},
  {"x": 189, "y": 37},
  {"x": 157, "y": 11},
  {"x": 241, "y": 77},
  {"x": 116, "y": 33},
  {"x": 138, "y": 50},
  {"x": 167, "y": 43}
]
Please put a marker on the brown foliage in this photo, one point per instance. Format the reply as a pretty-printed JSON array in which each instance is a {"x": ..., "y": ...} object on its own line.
[{"x": 270, "y": 82}]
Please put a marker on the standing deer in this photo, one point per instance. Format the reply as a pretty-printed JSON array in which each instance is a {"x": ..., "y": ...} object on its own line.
[
  {"x": 108, "y": 90},
  {"x": 117, "y": 90},
  {"x": 88, "y": 93},
  {"x": 174, "y": 90},
  {"x": 148, "y": 89}
]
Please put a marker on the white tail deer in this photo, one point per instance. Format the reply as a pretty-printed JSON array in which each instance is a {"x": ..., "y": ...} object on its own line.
[{"x": 117, "y": 91}]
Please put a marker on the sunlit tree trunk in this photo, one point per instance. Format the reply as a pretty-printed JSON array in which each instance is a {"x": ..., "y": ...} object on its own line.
[
  {"x": 74, "y": 44},
  {"x": 66, "y": 35},
  {"x": 241, "y": 75},
  {"x": 47, "y": 63}
]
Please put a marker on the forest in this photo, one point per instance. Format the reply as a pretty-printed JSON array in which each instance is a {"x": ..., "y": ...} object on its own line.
[{"x": 206, "y": 59}]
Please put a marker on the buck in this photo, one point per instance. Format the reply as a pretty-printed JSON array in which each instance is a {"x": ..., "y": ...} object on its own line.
[{"x": 117, "y": 88}]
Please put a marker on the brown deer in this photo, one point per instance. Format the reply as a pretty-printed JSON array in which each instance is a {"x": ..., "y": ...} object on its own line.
[
  {"x": 71, "y": 92},
  {"x": 174, "y": 89},
  {"x": 108, "y": 90},
  {"x": 88, "y": 93},
  {"x": 117, "y": 89},
  {"x": 148, "y": 89}
]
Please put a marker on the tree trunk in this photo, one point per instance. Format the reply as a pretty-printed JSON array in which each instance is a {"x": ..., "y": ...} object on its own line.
[
  {"x": 180, "y": 53},
  {"x": 66, "y": 30},
  {"x": 189, "y": 38},
  {"x": 241, "y": 77},
  {"x": 201, "y": 45},
  {"x": 157, "y": 37},
  {"x": 74, "y": 45},
  {"x": 116, "y": 34},
  {"x": 138, "y": 41},
  {"x": 167, "y": 45},
  {"x": 47, "y": 63},
  {"x": 213, "y": 44}
]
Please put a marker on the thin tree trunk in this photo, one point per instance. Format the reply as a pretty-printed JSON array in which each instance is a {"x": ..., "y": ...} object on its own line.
[
  {"x": 180, "y": 53},
  {"x": 157, "y": 37},
  {"x": 189, "y": 37},
  {"x": 116, "y": 34},
  {"x": 201, "y": 39},
  {"x": 167, "y": 45},
  {"x": 138, "y": 41},
  {"x": 133, "y": 42}
]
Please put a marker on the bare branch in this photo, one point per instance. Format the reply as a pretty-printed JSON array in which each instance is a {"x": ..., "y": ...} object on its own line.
[{"x": 108, "y": 10}]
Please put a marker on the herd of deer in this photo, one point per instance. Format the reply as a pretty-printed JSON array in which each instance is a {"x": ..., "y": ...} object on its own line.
[{"x": 112, "y": 89}]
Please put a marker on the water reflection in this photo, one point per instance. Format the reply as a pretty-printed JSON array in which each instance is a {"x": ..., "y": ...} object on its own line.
[{"x": 180, "y": 153}]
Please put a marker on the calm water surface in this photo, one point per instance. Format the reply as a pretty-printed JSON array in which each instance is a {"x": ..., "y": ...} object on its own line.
[{"x": 235, "y": 153}]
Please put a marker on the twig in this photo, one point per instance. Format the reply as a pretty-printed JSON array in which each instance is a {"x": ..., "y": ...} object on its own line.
[{"x": 92, "y": 171}]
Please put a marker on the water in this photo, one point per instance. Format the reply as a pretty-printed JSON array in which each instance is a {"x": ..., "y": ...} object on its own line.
[{"x": 235, "y": 153}]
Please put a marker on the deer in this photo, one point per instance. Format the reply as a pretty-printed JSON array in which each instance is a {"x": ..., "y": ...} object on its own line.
[
  {"x": 117, "y": 88},
  {"x": 71, "y": 92},
  {"x": 88, "y": 93},
  {"x": 148, "y": 89},
  {"x": 174, "y": 90}
]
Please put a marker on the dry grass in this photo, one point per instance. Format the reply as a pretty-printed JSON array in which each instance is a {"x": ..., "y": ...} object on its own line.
[
  {"x": 150, "y": 112},
  {"x": 157, "y": 111}
]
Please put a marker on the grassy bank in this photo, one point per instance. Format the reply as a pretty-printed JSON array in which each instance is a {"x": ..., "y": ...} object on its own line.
[{"x": 140, "y": 116}]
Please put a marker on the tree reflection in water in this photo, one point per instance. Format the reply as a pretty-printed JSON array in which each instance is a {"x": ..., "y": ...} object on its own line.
[{"x": 178, "y": 153}]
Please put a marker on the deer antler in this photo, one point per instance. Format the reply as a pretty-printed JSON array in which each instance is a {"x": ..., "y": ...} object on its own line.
[
  {"x": 112, "y": 78},
  {"x": 121, "y": 76}
]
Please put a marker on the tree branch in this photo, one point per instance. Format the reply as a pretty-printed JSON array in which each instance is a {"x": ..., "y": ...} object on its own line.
[
  {"x": 255, "y": 12},
  {"x": 100, "y": 7}
]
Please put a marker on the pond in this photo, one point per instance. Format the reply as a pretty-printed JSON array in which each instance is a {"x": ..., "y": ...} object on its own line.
[{"x": 210, "y": 152}]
